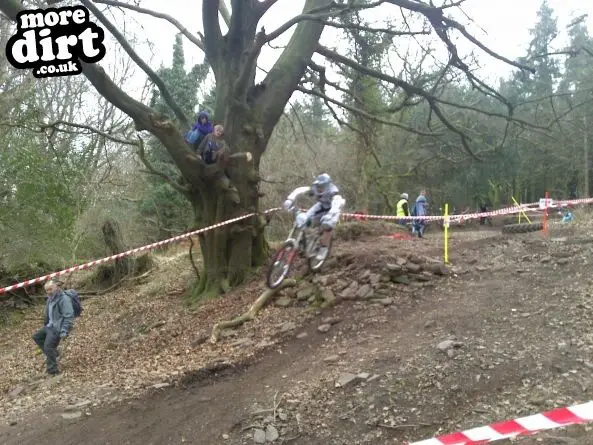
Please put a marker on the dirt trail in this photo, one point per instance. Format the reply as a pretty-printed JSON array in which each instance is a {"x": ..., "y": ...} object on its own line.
[{"x": 517, "y": 313}]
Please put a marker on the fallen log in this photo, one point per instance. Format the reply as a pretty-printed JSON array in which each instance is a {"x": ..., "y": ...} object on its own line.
[{"x": 251, "y": 313}]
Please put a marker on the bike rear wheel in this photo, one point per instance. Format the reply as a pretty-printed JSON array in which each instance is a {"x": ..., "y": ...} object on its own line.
[{"x": 281, "y": 263}]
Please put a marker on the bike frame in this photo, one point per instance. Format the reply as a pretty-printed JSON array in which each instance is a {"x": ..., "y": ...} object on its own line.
[
  {"x": 297, "y": 242},
  {"x": 301, "y": 237}
]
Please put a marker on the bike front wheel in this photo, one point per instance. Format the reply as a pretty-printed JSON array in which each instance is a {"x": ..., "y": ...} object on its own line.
[{"x": 281, "y": 263}]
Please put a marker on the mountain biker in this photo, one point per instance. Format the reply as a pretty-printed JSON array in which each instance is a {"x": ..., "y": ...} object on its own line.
[{"x": 326, "y": 211}]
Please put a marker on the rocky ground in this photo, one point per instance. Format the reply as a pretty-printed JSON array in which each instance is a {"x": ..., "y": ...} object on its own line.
[{"x": 406, "y": 349}]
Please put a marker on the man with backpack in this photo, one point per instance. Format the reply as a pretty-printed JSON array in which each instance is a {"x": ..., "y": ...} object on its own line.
[{"x": 60, "y": 310}]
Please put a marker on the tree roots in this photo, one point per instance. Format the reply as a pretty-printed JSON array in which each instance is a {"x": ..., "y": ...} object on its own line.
[{"x": 251, "y": 313}]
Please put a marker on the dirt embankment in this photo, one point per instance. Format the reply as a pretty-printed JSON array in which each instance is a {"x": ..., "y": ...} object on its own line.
[{"x": 408, "y": 351}]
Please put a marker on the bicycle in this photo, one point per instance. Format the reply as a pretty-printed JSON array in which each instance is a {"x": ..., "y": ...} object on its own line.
[{"x": 299, "y": 241}]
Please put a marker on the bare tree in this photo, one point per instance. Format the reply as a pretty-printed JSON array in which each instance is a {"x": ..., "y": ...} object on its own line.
[{"x": 250, "y": 111}]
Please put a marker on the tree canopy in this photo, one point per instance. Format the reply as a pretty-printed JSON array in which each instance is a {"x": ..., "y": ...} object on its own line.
[{"x": 378, "y": 129}]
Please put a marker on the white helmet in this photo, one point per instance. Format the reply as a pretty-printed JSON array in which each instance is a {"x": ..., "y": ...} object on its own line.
[
  {"x": 404, "y": 196},
  {"x": 321, "y": 184}
]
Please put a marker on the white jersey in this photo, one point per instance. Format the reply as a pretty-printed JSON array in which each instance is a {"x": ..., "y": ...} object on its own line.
[{"x": 328, "y": 201}]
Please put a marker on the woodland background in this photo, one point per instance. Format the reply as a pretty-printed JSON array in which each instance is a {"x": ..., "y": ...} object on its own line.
[{"x": 66, "y": 167}]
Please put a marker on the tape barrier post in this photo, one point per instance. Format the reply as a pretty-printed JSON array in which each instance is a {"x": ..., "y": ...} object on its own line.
[
  {"x": 558, "y": 418},
  {"x": 446, "y": 227},
  {"x": 522, "y": 212}
]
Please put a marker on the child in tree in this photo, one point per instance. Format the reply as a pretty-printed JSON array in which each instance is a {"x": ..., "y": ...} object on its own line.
[{"x": 215, "y": 151}]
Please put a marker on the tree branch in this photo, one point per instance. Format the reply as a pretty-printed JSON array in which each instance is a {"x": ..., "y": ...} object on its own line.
[
  {"x": 213, "y": 43},
  {"x": 341, "y": 122},
  {"x": 303, "y": 132},
  {"x": 224, "y": 12},
  {"x": 336, "y": 57},
  {"x": 439, "y": 21},
  {"x": 153, "y": 171},
  {"x": 463, "y": 137},
  {"x": 247, "y": 71},
  {"x": 363, "y": 113},
  {"x": 55, "y": 125},
  {"x": 318, "y": 13},
  {"x": 323, "y": 81},
  {"x": 251, "y": 313},
  {"x": 136, "y": 58},
  {"x": 182, "y": 29},
  {"x": 355, "y": 27},
  {"x": 413, "y": 90},
  {"x": 264, "y": 5},
  {"x": 290, "y": 67},
  {"x": 144, "y": 119},
  {"x": 191, "y": 258}
]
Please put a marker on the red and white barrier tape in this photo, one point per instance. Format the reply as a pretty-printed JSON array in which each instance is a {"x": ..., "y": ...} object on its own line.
[
  {"x": 127, "y": 253},
  {"x": 522, "y": 426},
  {"x": 504, "y": 211}
]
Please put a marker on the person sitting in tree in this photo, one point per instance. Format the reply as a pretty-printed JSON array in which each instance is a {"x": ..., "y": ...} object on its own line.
[{"x": 214, "y": 151}]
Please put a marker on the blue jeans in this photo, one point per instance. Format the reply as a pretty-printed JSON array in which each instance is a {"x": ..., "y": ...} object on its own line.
[{"x": 419, "y": 227}]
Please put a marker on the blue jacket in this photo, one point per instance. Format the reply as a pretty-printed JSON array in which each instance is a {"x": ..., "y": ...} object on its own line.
[{"x": 421, "y": 204}]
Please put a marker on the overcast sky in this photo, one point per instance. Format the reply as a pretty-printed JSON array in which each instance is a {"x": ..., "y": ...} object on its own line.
[{"x": 503, "y": 25}]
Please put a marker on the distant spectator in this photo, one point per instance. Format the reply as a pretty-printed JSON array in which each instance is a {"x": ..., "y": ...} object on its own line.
[
  {"x": 58, "y": 321},
  {"x": 483, "y": 209},
  {"x": 402, "y": 209},
  {"x": 420, "y": 209},
  {"x": 568, "y": 216}
]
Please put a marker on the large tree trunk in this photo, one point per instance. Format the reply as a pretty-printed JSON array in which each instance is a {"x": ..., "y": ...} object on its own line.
[
  {"x": 230, "y": 252},
  {"x": 249, "y": 113}
]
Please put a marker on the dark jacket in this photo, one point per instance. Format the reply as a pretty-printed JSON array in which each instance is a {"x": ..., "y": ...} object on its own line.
[
  {"x": 214, "y": 150},
  {"x": 59, "y": 313}
]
